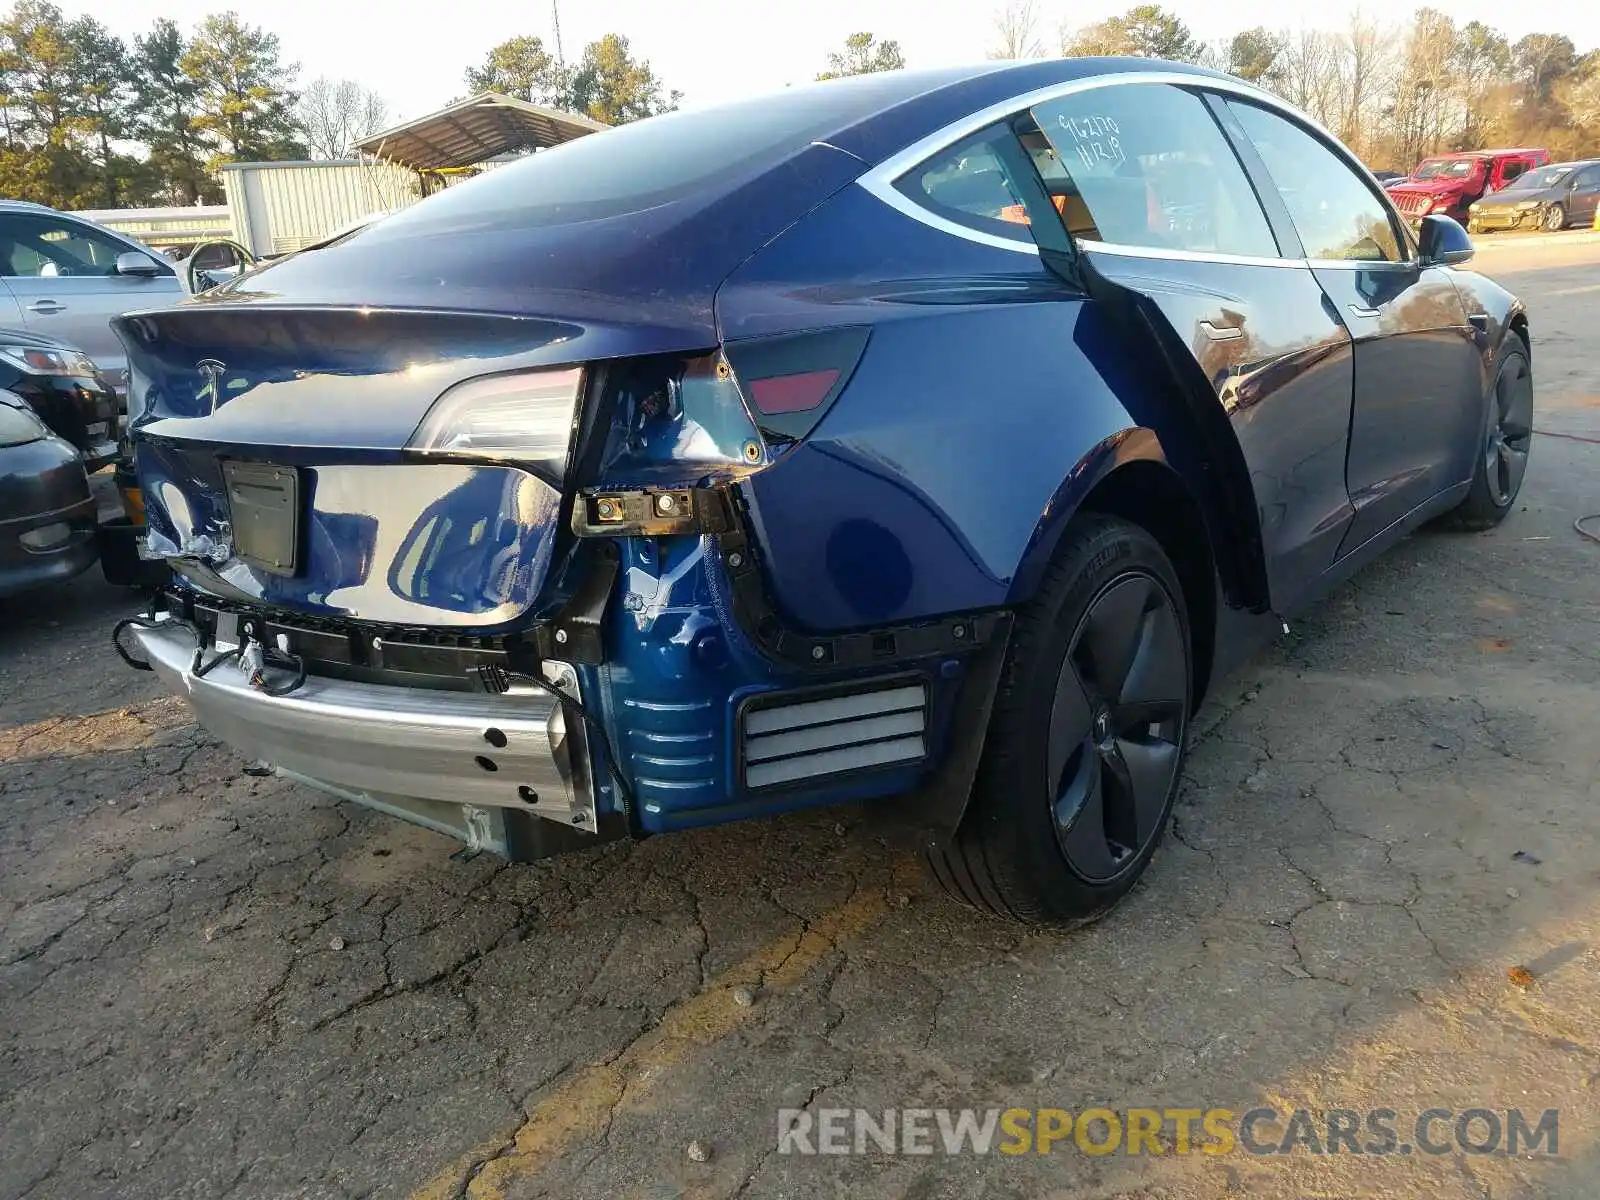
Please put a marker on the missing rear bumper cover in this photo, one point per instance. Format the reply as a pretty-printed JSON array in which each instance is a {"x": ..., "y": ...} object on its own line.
[{"x": 714, "y": 511}]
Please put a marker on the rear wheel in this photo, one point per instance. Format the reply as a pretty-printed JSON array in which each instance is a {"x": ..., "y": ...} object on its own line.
[
  {"x": 1555, "y": 219},
  {"x": 1507, "y": 438},
  {"x": 1087, "y": 738}
]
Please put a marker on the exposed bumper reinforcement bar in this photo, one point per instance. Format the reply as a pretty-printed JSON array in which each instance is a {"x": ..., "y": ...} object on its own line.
[{"x": 380, "y": 742}]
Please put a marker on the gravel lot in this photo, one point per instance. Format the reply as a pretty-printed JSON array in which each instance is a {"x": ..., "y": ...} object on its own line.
[{"x": 215, "y": 986}]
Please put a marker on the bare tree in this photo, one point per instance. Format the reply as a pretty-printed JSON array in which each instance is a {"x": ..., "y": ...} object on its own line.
[
  {"x": 1306, "y": 72},
  {"x": 1367, "y": 69},
  {"x": 1483, "y": 78},
  {"x": 338, "y": 114},
  {"x": 1582, "y": 96},
  {"x": 1427, "y": 114},
  {"x": 1017, "y": 28}
]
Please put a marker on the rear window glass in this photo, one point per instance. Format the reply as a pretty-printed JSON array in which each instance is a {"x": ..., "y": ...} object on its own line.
[{"x": 656, "y": 161}]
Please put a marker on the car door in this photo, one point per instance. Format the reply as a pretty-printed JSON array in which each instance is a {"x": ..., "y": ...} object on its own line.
[
  {"x": 1507, "y": 171},
  {"x": 1585, "y": 197},
  {"x": 64, "y": 276},
  {"x": 1418, "y": 367},
  {"x": 1159, "y": 204}
]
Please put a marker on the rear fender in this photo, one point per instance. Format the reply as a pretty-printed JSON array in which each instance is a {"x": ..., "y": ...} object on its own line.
[
  {"x": 1178, "y": 422},
  {"x": 991, "y": 396}
]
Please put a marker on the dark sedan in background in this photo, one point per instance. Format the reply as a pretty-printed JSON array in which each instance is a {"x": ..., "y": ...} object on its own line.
[
  {"x": 47, "y": 516},
  {"x": 1549, "y": 198},
  {"x": 66, "y": 389}
]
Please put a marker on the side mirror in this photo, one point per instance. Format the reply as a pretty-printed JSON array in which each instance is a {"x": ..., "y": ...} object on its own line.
[
  {"x": 1442, "y": 242},
  {"x": 131, "y": 262}
]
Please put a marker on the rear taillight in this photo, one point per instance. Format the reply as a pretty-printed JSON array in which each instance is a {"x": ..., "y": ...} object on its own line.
[
  {"x": 526, "y": 417},
  {"x": 674, "y": 421},
  {"x": 681, "y": 421},
  {"x": 793, "y": 379}
]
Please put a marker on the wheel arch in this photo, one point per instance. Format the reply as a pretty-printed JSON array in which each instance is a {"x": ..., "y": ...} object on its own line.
[
  {"x": 1130, "y": 476},
  {"x": 1152, "y": 496},
  {"x": 1518, "y": 323}
]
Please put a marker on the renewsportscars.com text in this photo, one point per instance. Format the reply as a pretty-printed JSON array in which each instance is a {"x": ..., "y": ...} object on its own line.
[{"x": 1134, "y": 1131}]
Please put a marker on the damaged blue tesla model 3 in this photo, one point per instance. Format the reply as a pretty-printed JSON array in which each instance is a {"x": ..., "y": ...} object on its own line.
[{"x": 930, "y": 434}]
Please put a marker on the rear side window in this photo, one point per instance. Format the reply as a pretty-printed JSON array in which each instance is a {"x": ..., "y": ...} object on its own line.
[
  {"x": 1334, "y": 211},
  {"x": 1147, "y": 165},
  {"x": 971, "y": 185}
]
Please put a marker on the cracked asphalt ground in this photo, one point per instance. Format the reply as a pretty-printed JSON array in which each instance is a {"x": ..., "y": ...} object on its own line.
[{"x": 214, "y": 986}]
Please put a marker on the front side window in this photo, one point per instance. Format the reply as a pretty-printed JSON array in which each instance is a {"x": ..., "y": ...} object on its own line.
[
  {"x": 1147, "y": 165},
  {"x": 1334, "y": 211},
  {"x": 38, "y": 247},
  {"x": 972, "y": 184}
]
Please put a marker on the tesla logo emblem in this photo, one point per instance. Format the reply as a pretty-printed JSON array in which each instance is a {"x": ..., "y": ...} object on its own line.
[
  {"x": 211, "y": 371},
  {"x": 1102, "y": 726}
]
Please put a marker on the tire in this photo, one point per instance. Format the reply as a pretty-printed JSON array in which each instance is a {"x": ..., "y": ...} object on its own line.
[
  {"x": 1502, "y": 458},
  {"x": 1087, "y": 738},
  {"x": 1555, "y": 219}
]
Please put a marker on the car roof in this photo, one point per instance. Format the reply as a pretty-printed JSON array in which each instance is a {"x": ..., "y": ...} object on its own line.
[
  {"x": 1482, "y": 153},
  {"x": 1000, "y": 77},
  {"x": 896, "y": 108}
]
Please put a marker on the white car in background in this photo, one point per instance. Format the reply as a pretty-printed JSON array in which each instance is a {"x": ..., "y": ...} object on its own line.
[{"x": 65, "y": 278}]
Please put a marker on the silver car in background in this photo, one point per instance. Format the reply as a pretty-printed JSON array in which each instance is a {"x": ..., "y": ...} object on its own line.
[{"x": 65, "y": 278}]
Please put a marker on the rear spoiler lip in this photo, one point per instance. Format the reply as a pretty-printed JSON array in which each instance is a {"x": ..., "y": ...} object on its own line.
[{"x": 683, "y": 337}]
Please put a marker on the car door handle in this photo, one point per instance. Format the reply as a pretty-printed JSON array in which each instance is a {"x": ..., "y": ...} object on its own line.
[
  {"x": 46, "y": 306},
  {"x": 1361, "y": 310},
  {"x": 1221, "y": 333}
]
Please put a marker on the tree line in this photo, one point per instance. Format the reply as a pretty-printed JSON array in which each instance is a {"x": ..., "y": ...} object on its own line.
[
  {"x": 1394, "y": 94},
  {"x": 89, "y": 120}
]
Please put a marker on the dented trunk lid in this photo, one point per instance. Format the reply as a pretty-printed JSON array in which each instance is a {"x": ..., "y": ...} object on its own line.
[{"x": 260, "y": 424}]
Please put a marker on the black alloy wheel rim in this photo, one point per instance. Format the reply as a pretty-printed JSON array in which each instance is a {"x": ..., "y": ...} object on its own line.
[
  {"x": 1505, "y": 456},
  {"x": 1116, "y": 727}
]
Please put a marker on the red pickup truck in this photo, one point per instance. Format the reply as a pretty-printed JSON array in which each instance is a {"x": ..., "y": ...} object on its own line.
[{"x": 1449, "y": 183}]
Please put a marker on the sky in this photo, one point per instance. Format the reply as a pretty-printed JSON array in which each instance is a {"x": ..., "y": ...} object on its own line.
[{"x": 413, "y": 53}]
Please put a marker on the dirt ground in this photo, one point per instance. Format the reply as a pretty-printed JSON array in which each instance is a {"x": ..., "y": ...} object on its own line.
[{"x": 215, "y": 986}]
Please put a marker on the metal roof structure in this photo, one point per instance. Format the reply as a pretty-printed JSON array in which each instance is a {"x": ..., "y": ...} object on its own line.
[{"x": 475, "y": 130}]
